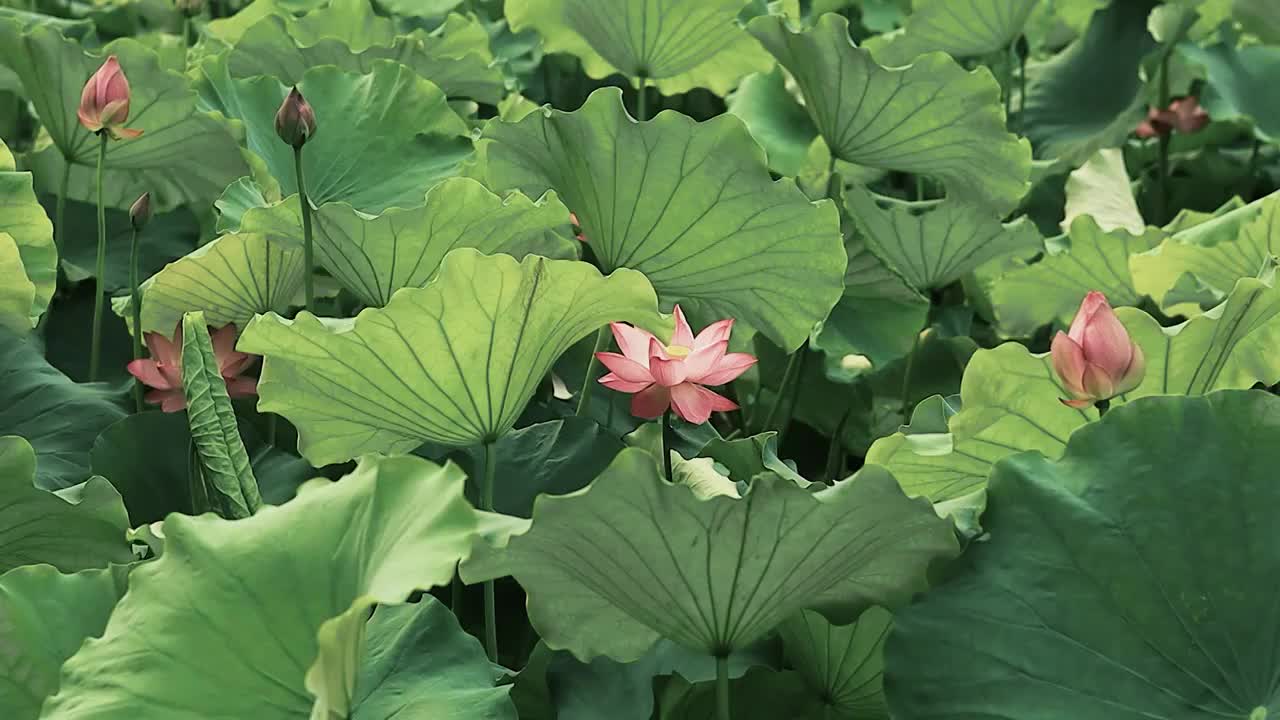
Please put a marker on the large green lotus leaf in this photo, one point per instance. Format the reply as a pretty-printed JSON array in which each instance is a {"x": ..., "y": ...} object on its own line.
[
  {"x": 58, "y": 417},
  {"x": 455, "y": 56},
  {"x": 374, "y": 256},
  {"x": 960, "y": 28},
  {"x": 1069, "y": 114},
  {"x": 1130, "y": 579},
  {"x": 1260, "y": 17},
  {"x": 929, "y": 118},
  {"x": 265, "y": 617},
  {"x": 1246, "y": 252},
  {"x": 776, "y": 120},
  {"x": 934, "y": 244},
  {"x": 17, "y": 294},
  {"x": 676, "y": 45},
  {"x": 1238, "y": 84},
  {"x": 1010, "y": 398},
  {"x": 761, "y": 694},
  {"x": 1086, "y": 259},
  {"x": 420, "y": 663},
  {"x": 454, "y": 362},
  {"x": 85, "y": 530},
  {"x": 1100, "y": 189},
  {"x": 31, "y": 234},
  {"x": 183, "y": 156},
  {"x": 691, "y": 205},
  {"x": 381, "y": 138},
  {"x": 46, "y": 618},
  {"x": 230, "y": 280},
  {"x": 613, "y": 568},
  {"x": 843, "y": 664}
]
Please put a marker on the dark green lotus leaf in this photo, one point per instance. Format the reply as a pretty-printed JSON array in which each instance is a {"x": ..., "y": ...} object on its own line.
[
  {"x": 842, "y": 664},
  {"x": 931, "y": 117},
  {"x": 1154, "y": 526},
  {"x": 691, "y": 205},
  {"x": 1238, "y": 86},
  {"x": 776, "y": 120}
]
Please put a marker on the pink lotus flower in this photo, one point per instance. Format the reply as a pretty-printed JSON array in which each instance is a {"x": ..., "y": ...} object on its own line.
[
  {"x": 163, "y": 370},
  {"x": 1184, "y": 115},
  {"x": 1096, "y": 359},
  {"x": 104, "y": 103},
  {"x": 673, "y": 376},
  {"x": 295, "y": 120}
]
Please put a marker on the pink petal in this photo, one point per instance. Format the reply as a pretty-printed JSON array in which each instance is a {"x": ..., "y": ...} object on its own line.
[
  {"x": 695, "y": 403},
  {"x": 149, "y": 374},
  {"x": 163, "y": 351},
  {"x": 1088, "y": 306},
  {"x": 242, "y": 387},
  {"x": 613, "y": 382},
  {"x": 651, "y": 403},
  {"x": 684, "y": 334},
  {"x": 729, "y": 368},
  {"x": 1075, "y": 403},
  {"x": 633, "y": 342},
  {"x": 1068, "y": 362},
  {"x": 713, "y": 333},
  {"x": 170, "y": 400},
  {"x": 224, "y": 342},
  {"x": 1106, "y": 343},
  {"x": 235, "y": 364},
  {"x": 1135, "y": 373},
  {"x": 1098, "y": 384},
  {"x": 668, "y": 373},
  {"x": 625, "y": 368},
  {"x": 700, "y": 362}
]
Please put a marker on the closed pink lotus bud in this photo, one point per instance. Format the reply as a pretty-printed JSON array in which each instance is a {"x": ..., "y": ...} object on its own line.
[
  {"x": 140, "y": 211},
  {"x": 295, "y": 120},
  {"x": 104, "y": 103},
  {"x": 1096, "y": 360}
]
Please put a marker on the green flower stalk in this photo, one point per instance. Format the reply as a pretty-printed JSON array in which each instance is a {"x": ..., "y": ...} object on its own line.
[
  {"x": 296, "y": 124},
  {"x": 104, "y": 109},
  {"x": 139, "y": 215}
]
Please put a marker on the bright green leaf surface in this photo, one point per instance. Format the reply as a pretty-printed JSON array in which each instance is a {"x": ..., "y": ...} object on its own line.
[
  {"x": 691, "y": 205},
  {"x": 1169, "y": 613},
  {"x": 454, "y": 362},
  {"x": 933, "y": 245},
  {"x": 58, "y": 417},
  {"x": 376, "y": 256},
  {"x": 85, "y": 530},
  {"x": 266, "y": 614},
  {"x": 17, "y": 295},
  {"x": 677, "y": 44},
  {"x": 45, "y": 617},
  {"x": 632, "y": 558},
  {"x": 776, "y": 120},
  {"x": 184, "y": 155},
  {"x": 843, "y": 664},
  {"x": 1100, "y": 189},
  {"x": 931, "y": 117},
  {"x": 31, "y": 234},
  {"x": 960, "y": 28},
  {"x": 224, "y": 464}
]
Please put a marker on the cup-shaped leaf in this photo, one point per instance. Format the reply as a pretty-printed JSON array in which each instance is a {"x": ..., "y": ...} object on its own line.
[
  {"x": 1156, "y": 524},
  {"x": 454, "y": 362},
  {"x": 691, "y": 205},
  {"x": 842, "y": 664}
]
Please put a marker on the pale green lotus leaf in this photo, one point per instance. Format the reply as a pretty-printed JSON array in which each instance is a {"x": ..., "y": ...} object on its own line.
[
  {"x": 18, "y": 293},
  {"x": 1100, "y": 189},
  {"x": 454, "y": 362},
  {"x": 931, "y": 117},
  {"x": 30, "y": 234},
  {"x": 691, "y": 205},
  {"x": 960, "y": 28},
  {"x": 842, "y": 664}
]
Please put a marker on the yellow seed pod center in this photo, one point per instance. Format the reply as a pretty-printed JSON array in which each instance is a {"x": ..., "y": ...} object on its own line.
[{"x": 678, "y": 351}]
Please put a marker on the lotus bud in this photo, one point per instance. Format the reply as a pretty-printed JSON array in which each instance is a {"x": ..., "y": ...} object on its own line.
[
  {"x": 140, "y": 211},
  {"x": 104, "y": 103},
  {"x": 1096, "y": 360},
  {"x": 295, "y": 121}
]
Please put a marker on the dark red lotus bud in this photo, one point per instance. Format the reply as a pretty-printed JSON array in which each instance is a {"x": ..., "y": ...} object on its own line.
[
  {"x": 140, "y": 211},
  {"x": 295, "y": 121}
]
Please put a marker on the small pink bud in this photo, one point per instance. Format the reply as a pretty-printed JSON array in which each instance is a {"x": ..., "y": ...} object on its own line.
[
  {"x": 295, "y": 121},
  {"x": 104, "y": 102},
  {"x": 1096, "y": 360},
  {"x": 140, "y": 211}
]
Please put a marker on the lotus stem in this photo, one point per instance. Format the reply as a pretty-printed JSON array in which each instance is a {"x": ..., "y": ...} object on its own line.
[
  {"x": 308, "y": 250},
  {"x": 1022, "y": 82},
  {"x": 835, "y": 451},
  {"x": 135, "y": 303},
  {"x": 642, "y": 100},
  {"x": 906, "y": 376},
  {"x": 722, "y": 687},
  {"x": 95, "y": 352},
  {"x": 60, "y": 211},
  {"x": 1102, "y": 406},
  {"x": 789, "y": 377},
  {"x": 1162, "y": 193},
  {"x": 584, "y": 396},
  {"x": 667, "y": 442},
  {"x": 490, "y": 598},
  {"x": 1008, "y": 82}
]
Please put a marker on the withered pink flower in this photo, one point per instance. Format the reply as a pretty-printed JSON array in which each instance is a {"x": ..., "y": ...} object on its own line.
[
  {"x": 1184, "y": 115},
  {"x": 661, "y": 376},
  {"x": 104, "y": 103},
  {"x": 1096, "y": 360},
  {"x": 163, "y": 370}
]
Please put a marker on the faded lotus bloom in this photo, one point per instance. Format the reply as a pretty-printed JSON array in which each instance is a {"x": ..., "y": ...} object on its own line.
[
  {"x": 295, "y": 120},
  {"x": 1184, "y": 115},
  {"x": 140, "y": 211},
  {"x": 662, "y": 376},
  {"x": 104, "y": 103},
  {"x": 1096, "y": 359},
  {"x": 163, "y": 370}
]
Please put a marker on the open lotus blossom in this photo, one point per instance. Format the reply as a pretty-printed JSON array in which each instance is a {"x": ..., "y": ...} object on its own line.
[
  {"x": 163, "y": 370},
  {"x": 104, "y": 103},
  {"x": 1096, "y": 359},
  {"x": 674, "y": 375},
  {"x": 1184, "y": 115}
]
